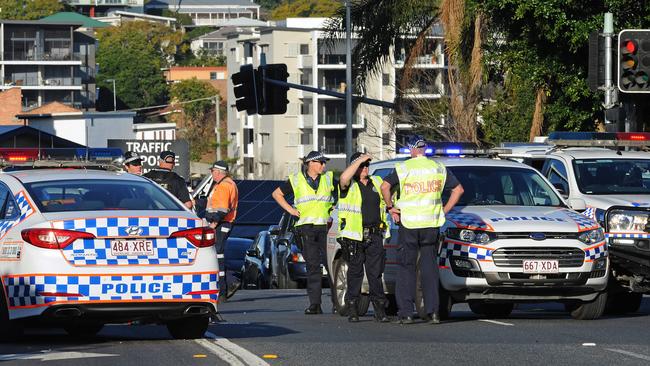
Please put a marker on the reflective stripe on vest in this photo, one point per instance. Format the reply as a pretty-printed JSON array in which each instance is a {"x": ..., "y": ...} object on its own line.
[
  {"x": 349, "y": 209},
  {"x": 314, "y": 207},
  {"x": 421, "y": 184}
]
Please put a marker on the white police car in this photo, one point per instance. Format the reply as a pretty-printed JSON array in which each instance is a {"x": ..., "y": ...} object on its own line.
[
  {"x": 510, "y": 239},
  {"x": 80, "y": 248},
  {"x": 612, "y": 185}
]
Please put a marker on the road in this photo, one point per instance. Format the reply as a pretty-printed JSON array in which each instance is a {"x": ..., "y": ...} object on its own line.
[{"x": 268, "y": 327}]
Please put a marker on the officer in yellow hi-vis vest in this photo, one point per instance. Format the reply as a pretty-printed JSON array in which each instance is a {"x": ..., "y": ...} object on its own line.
[
  {"x": 362, "y": 229},
  {"x": 314, "y": 194},
  {"x": 420, "y": 213}
]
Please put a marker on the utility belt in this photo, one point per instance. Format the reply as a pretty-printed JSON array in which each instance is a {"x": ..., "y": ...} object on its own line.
[{"x": 351, "y": 247}]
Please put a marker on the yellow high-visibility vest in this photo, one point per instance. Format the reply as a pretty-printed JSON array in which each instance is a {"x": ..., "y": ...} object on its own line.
[
  {"x": 421, "y": 184},
  {"x": 349, "y": 211},
  {"x": 314, "y": 207}
]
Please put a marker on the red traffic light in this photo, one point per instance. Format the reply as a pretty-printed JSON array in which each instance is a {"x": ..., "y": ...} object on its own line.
[{"x": 629, "y": 46}]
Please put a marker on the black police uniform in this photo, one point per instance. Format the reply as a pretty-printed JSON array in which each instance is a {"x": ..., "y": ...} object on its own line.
[
  {"x": 425, "y": 242},
  {"x": 171, "y": 181},
  {"x": 369, "y": 253},
  {"x": 314, "y": 246}
]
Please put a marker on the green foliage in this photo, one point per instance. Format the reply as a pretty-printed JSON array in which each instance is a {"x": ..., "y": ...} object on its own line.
[
  {"x": 29, "y": 9},
  {"x": 198, "y": 117},
  {"x": 197, "y": 32},
  {"x": 204, "y": 59},
  {"x": 133, "y": 55},
  {"x": 268, "y": 5},
  {"x": 306, "y": 8},
  {"x": 181, "y": 18}
]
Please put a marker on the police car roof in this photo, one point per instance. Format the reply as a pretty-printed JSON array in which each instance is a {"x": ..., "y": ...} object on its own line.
[
  {"x": 36, "y": 175},
  {"x": 458, "y": 161},
  {"x": 586, "y": 153}
]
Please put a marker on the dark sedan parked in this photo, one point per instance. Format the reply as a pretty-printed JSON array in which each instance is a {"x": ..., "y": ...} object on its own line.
[{"x": 274, "y": 259}]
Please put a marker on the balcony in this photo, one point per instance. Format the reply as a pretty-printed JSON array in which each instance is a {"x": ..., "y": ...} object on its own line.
[
  {"x": 104, "y": 2},
  {"x": 424, "y": 61},
  {"x": 54, "y": 56},
  {"x": 33, "y": 82},
  {"x": 331, "y": 61},
  {"x": 305, "y": 61},
  {"x": 338, "y": 121},
  {"x": 305, "y": 121}
]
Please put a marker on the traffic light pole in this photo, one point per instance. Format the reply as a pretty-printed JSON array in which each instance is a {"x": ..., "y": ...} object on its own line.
[
  {"x": 379, "y": 103},
  {"x": 608, "y": 33},
  {"x": 348, "y": 82}
]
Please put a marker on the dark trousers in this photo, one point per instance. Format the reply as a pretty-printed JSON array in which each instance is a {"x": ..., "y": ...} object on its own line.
[
  {"x": 411, "y": 243},
  {"x": 222, "y": 232},
  {"x": 372, "y": 256},
  {"x": 314, "y": 249}
]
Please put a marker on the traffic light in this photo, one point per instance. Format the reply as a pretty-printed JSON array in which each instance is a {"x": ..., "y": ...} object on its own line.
[
  {"x": 246, "y": 83},
  {"x": 634, "y": 61},
  {"x": 274, "y": 97}
]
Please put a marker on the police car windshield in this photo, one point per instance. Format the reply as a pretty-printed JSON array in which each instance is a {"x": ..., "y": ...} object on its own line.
[
  {"x": 613, "y": 176},
  {"x": 96, "y": 194},
  {"x": 492, "y": 185}
]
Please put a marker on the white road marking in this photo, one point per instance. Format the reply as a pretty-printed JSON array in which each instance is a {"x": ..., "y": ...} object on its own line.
[
  {"x": 230, "y": 352},
  {"x": 53, "y": 356},
  {"x": 589, "y": 344},
  {"x": 496, "y": 322},
  {"x": 631, "y": 354}
]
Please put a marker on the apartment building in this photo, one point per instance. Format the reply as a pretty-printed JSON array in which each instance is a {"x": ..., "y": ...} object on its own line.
[
  {"x": 100, "y": 8},
  {"x": 270, "y": 147},
  {"x": 49, "y": 62},
  {"x": 207, "y": 12}
]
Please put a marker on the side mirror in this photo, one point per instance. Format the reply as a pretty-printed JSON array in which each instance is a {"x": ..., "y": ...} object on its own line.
[
  {"x": 274, "y": 229},
  {"x": 253, "y": 253},
  {"x": 577, "y": 204}
]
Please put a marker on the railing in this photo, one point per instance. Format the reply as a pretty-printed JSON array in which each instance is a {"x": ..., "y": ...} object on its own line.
[
  {"x": 34, "y": 81},
  {"x": 331, "y": 59},
  {"x": 432, "y": 59},
  {"x": 41, "y": 56},
  {"x": 334, "y": 148}
]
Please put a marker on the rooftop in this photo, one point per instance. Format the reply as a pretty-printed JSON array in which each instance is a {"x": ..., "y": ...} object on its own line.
[{"x": 66, "y": 17}]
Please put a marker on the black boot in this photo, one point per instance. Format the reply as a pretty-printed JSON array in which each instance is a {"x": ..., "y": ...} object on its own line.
[
  {"x": 353, "y": 316},
  {"x": 313, "y": 309},
  {"x": 380, "y": 311}
]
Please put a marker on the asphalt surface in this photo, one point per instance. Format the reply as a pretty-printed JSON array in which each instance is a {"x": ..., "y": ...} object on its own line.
[{"x": 269, "y": 327}]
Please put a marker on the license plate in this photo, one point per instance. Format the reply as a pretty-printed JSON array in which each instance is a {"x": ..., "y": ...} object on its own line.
[
  {"x": 132, "y": 247},
  {"x": 541, "y": 266}
]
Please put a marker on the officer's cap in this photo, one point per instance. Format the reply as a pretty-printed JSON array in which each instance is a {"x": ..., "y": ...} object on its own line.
[
  {"x": 168, "y": 156},
  {"x": 416, "y": 142},
  {"x": 315, "y": 156},
  {"x": 356, "y": 156},
  {"x": 132, "y": 157}
]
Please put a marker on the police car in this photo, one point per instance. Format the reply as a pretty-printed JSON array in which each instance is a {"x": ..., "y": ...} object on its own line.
[
  {"x": 612, "y": 182},
  {"x": 510, "y": 239},
  {"x": 80, "y": 248}
]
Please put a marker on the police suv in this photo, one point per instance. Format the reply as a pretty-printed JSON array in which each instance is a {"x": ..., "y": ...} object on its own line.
[
  {"x": 599, "y": 172},
  {"x": 510, "y": 239},
  {"x": 80, "y": 248}
]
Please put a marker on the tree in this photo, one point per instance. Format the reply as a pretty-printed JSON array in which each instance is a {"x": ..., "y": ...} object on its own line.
[
  {"x": 29, "y": 9},
  {"x": 133, "y": 54},
  {"x": 305, "y": 8},
  {"x": 198, "y": 117}
]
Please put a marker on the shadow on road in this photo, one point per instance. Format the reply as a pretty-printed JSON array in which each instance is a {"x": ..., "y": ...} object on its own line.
[{"x": 250, "y": 330}]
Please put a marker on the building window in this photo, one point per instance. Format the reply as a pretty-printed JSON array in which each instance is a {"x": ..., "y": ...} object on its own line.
[
  {"x": 385, "y": 79},
  {"x": 304, "y": 49},
  {"x": 385, "y": 138},
  {"x": 306, "y": 138},
  {"x": 213, "y": 75},
  {"x": 292, "y": 49}
]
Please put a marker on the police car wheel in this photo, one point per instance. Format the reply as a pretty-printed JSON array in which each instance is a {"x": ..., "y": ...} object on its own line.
[
  {"x": 491, "y": 310},
  {"x": 188, "y": 328},
  {"x": 11, "y": 330},
  {"x": 591, "y": 310},
  {"x": 623, "y": 303},
  {"x": 340, "y": 289},
  {"x": 83, "y": 330}
]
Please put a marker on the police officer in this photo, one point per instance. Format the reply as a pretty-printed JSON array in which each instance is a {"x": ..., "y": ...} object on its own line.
[
  {"x": 362, "y": 229},
  {"x": 132, "y": 162},
  {"x": 313, "y": 192},
  {"x": 420, "y": 213},
  {"x": 166, "y": 178},
  {"x": 221, "y": 211}
]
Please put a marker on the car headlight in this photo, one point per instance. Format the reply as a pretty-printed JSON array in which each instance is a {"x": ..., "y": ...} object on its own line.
[
  {"x": 592, "y": 236},
  {"x": 470, "y": 236},
  {"x": 621, "y": 221}
]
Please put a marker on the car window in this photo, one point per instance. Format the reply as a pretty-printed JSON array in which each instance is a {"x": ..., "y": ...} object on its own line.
[
  {"x": 557, "y": 175},
  {"x": 613, "y": 176},
  {"x": 489, "y": 185},
  {"x": 383, "y": 172},
  {"x": 97, "y": 194}
]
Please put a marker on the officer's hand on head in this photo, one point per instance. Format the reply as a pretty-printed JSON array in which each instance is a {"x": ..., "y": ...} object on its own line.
[
  {"x": 365, "y": 157},
  {"x": 294, "y": 212}
]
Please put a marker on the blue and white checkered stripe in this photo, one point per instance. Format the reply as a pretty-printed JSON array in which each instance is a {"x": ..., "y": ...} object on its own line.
[
  {"x": 87, "y": 252},
  {"x": 25, "y": 291},
  {"x": 590, "y": 212},
  {"x": 628, "y": 235},
  {"x": 449, "y": 250},
  {"x": 584, "y": 223},
  {"x": 116, "y": 226},
  {"x": 26, "y": 210},
  {"x": 467, "y": 220},
  {"x": 596, "y": 252}
]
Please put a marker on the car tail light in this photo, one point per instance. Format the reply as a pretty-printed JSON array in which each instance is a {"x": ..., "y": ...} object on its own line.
[
  {"x": 53, "y": 238},
  {"x": 201, "y": 237}
]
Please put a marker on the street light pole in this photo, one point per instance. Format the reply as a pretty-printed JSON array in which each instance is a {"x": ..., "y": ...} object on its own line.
[
  {"x": 217, "y": 129},
  {"x": 348, "y": 82},
  {"x": 114, "y": 97}
]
